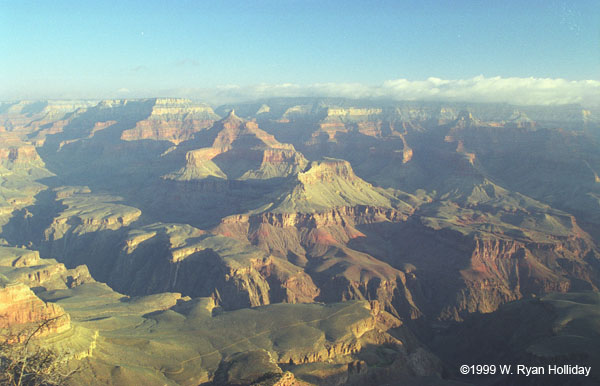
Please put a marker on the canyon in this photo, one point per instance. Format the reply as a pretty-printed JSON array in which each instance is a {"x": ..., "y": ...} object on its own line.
[{"x": 298, "y": 241}]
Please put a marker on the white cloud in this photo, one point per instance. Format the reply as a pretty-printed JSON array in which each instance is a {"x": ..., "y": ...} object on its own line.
[{"x": 518, "y": 91}]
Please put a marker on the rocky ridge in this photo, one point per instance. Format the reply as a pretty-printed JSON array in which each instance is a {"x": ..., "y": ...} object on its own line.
[
  {"x": 430, "y": 211},
  {"x": 174, "y": 120},
  {"x": 240, "y": 150}
]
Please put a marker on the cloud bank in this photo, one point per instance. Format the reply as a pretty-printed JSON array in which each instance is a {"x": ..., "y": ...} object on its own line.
[{"x": 517, "y": 91}]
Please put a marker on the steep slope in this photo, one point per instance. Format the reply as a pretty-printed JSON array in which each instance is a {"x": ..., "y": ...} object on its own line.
[
  {"x": 461, "y": 261},
  {"x": 173, "y": 257},
  {"x": 191, "y": 342},
  {"x": 169, "y": 339},
  {"x": 22, "y": 272},
  {"x": 330, "y": 183},
  {"x": 114, "y": 138},
  {"x": 240, "y": 150},
  {"x": 20, "y": 308},
  {"x": 145, "y": 259},
  {"x": 288, "y": 110},
  {"x": 20, "y": 168},
  {"x": 429, "y": 211},
  {"x": 553, "y": 166},
  {"x": 556, "y": 330},
  {"x": 507, "y": 244},
  {"x": 24, "y": 266},
  {"x": 310, "y": 223},
  {"x": 174, "y": 120}
]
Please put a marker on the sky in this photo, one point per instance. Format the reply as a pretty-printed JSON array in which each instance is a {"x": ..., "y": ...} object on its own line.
[{"x": 244, "y": 49}]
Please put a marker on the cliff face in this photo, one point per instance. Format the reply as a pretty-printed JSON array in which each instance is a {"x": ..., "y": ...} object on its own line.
[
  {"x": 174, "y": 120},
  {"x": 20, "y": 308},
  {"x": 18, "y": 154},
  {"x": 22, "y": 154},
  {"x": 374, "y": 147},
  {"x": 451, "y": 274},
  {"x": 311, "y": 214},
  {"x": 172, "y": 257},
  {"x": 240, "y": 150},
  {"x": 352, "y": 112},
  {"x": 399, "y": 210},
  {"x": 315, "y": 109},
  {"x": 165, "y": 257},
  {"x": 19, "y": 265},
  {"x": 504, "y": 270},
  {"x": 531, "y": 332},
  {"x": 564, "y": 159},
  {"x": 167, "y": 130},
  {"x": 317, "y": 242},
  {"x": 312, "y": 227},
  {"x": 342, "y": 353}
]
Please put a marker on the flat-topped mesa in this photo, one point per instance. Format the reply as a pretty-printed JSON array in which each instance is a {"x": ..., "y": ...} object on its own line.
[
  {"x": 24, "y": 266},
  {"x": 327, "y": 170},
  {"x": 88, "y": 213},
  {"x": 116, "y": 109},
  {"x": 176, "y": 108},
  {"x": 174, "y": 120},
  {"x": 282, "y": 155},
  {"x": 44, "y": 109},
  {"x": 18, "y": 155},
  {"x": 353, "y": 112},
  {"x": 342, "y": 216},
  {"x": 18, "y": 257},
  {"x": 328, "y": 184},
  {"x": 296, "y": 112}
]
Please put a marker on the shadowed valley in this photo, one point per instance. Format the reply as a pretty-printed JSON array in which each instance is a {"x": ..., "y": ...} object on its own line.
[{"x": 299, "y": 241}]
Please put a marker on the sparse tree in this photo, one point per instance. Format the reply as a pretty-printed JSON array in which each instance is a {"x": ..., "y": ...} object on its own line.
[{"x": 23, "y": 363}]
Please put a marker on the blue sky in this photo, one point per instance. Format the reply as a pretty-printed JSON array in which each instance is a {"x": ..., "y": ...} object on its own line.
[{"x": 96, "y": 48}]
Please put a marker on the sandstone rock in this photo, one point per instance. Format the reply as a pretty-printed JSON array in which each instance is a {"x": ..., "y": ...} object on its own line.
[
  {"x": 20, "y": 309},
  {"x": 240, "y": 150}
]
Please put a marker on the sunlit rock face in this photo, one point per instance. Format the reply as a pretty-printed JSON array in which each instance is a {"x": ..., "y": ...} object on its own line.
[
  {"x": 240, "y": 150},
  {"x": 290, "y": 240},
  {"x": 20, "y": 309},
  {"x": 174, "y": 120}
]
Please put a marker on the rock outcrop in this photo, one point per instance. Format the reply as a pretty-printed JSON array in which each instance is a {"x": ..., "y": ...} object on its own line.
[
  {"x": 20, "y": 309},
  {"x": 174, "y": 120},
  {"x": 240, "y": 150},
  {"x": 296, "y": 251}
]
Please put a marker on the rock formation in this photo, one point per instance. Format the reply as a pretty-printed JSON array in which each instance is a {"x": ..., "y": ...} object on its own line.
[{"x": 298, "y": 241}]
